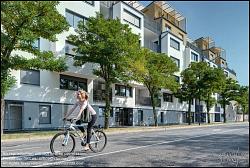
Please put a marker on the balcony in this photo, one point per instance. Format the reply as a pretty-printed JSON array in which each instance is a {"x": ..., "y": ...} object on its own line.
[
  {"x": 152, "y": 46},
  {"x": 194, "y": 47},
  {"x": 220, "y": 52},
  {"x": 142, "y": 98},
  {"x": 152, "y": 25},
  {"x": 231, "y": 71},
  {"x": 146, "y": 101}
]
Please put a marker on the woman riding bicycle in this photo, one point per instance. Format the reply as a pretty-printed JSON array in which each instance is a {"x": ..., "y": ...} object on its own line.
[{"x": 80, "y": 105}]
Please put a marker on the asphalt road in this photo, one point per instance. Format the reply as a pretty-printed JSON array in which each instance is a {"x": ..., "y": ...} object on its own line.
[{"x": 222, "y": 145}]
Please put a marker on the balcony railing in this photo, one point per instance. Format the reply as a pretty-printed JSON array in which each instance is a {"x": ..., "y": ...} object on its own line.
[
  {"x": 231, "y": 71},
  {"x": 152, "y": 46},
  {"x": 146, "y": 101},
  {"x": 152, "y": 25}
]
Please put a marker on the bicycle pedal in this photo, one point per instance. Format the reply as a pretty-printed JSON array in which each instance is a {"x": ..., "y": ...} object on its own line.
[{"x": 83, "y": 144}]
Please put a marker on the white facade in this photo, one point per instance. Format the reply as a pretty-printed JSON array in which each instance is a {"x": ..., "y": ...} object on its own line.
[
  {"x": 30, "y": 98},
  {"x": 128, "y": 15}
]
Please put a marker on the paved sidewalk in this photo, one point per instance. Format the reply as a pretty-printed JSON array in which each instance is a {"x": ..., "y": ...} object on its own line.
[{"x": 131, "y": 129}]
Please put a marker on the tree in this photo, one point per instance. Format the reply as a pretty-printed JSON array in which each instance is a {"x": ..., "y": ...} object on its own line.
[
  {"x": 228, "y": 92},
  {"x": 211, "y": 83},
  {"x": 188, "y": 89},
  {"x": 198, "y": 71},
  {"x": 106, "y": 43},
  {"x": 242, "y": 99},
  {"x": 22, "y": 23},
  {"x": 155, "y": 71}
]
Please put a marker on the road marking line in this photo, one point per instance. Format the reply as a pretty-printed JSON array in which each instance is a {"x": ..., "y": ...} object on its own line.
[{"x": 164, "y": 142}]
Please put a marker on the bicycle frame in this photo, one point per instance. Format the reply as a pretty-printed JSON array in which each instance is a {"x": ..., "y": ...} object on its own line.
[{"x": 72, "y": 128}]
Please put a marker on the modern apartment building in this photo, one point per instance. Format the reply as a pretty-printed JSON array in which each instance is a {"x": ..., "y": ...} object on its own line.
[{"x": 40, "y": 99}]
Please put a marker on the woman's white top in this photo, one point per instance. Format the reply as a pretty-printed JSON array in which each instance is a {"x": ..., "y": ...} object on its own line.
[{"x": 80, "y": 106}]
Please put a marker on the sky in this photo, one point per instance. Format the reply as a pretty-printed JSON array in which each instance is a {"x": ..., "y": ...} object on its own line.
[{"x": 226, "y": 22}]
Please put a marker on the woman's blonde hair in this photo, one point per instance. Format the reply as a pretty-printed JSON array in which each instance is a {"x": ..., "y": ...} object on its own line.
[{"x": 83, "y": 92}]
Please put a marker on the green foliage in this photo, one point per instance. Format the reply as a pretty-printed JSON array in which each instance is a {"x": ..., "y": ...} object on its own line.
[
  {"x": 23, "y": 22},
  {"x": 155, "y": 71},
  {"x": 108, "y": 43},
  {"x": 242, "y": 98},
  {"x": 7, "y": 83}
]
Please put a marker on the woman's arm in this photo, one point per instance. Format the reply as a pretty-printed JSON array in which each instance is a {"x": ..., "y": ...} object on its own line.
[{"x": 70, "y": 111}]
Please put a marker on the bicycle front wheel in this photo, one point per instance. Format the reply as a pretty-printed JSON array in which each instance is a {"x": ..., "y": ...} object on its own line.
[
  {"x": 98, "y": 141},
  {"x": 62, "y": 144}
]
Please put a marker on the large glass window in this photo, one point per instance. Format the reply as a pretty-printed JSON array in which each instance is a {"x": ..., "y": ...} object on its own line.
[
  {"x": 31, "y": 77},
  {"x": 69, "y": 49},
  {"x": 177, "y": 78},
  {"x": 45, "y": 114},
  {"x": 174, "y": 44},
  {"x": 194, "y": 57},
  {"x": 177, "y": 61},
  {"x": 131, "y": 18},
  {"x": 99, "y": 91},
  {"x": 167, "y": 97},
  {"x": 72, "y": 83},
  {"x": 36, "y": 44},
  {"x": 102, "y": 112},
  {"x": 121, "y": 90},
  {"x": 73, "y": 18}
]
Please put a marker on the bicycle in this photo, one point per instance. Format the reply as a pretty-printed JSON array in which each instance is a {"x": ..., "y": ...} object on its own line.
[{"x": 63, "y": 143}]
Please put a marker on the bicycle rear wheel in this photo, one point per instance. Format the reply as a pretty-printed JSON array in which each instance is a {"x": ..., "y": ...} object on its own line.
[
  {"x": 59, "y": 146},
  {"x": 98, "y": 144}
]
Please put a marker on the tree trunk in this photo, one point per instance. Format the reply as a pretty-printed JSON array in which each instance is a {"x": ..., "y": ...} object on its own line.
[
  {"x": 153, "y": 101},
  {"x": 208, "y": 116},
  {"x": 199, "y": 111},
  {"x": 243, "y": 112},
  {"x": 224, "y": 112},
  {"x": 107, "y": 101},
  {"x": 2, "y": 114},
  {"x": 189, "y": 112}
]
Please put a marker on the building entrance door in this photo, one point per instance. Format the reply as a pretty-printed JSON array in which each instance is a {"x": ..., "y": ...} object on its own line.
[{"x": 16, "y": 117}]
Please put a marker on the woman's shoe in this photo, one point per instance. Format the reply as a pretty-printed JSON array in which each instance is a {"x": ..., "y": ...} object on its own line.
[{"x": 86, "y": 148}]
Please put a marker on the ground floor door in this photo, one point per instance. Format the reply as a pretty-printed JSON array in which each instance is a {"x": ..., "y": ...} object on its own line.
[
  {"x": 15, "y": 117},
  {"x": 124, "y": 116}
]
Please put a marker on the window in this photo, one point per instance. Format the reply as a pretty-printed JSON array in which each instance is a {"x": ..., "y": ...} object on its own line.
[
  {"x": 72, "y": 83},
  {"x": 194, "y": 57},
  {"x": 102, "y": 112},
  {"x": 177, "y": 78},
  {"x": 121, "y": 90},
  {"x": 167, "y": 97},
  {"x": 44, "y": 114},
  {"x": 73, "y": 18},
  {"x": 174, "y": 44},
  {"x": 69, "y": 49},
  {"x": 99, "y": 91},
  {"x": 131, "y": 18},
  {"x": 90, "y": 2},
  {"x": 36, "y": 44},
  {"x": 226, "y": 73},
  {"x": 162, "y": 117},
  {"x": 168, "y": 28},
  {"x": 177, "y": 61},
  {"x": 140, "y": 115},
  {"x": 31, "y": 77}
]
